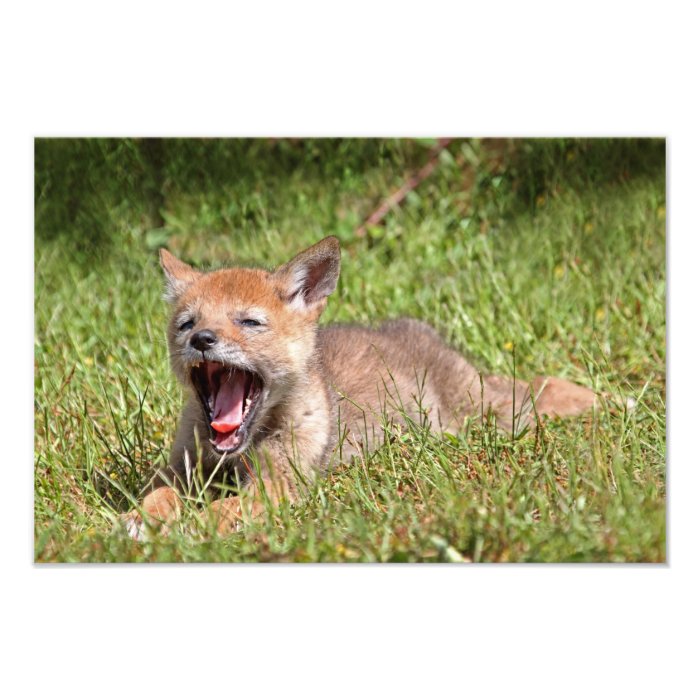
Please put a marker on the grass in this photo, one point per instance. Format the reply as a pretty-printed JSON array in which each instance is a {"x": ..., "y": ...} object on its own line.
[{"x": 544, "y": 254}]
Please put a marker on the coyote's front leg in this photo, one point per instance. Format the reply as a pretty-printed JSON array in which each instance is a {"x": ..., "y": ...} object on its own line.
[
  {"x": 227, "y": 515},
  {"x": 158, "y": 511}
]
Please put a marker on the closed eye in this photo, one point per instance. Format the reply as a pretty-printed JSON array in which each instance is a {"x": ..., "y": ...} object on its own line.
[{"x": 249, "y": 322}]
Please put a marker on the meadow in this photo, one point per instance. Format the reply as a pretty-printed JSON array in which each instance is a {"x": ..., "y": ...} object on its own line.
[{"x": 533, "y": 256}]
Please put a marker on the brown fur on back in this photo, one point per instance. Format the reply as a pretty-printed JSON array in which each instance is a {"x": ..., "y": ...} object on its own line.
[{"x": 404, "y": 366}]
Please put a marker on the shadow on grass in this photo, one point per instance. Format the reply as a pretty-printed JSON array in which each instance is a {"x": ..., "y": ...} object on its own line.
[
  {"x": 80, "y": 183},
  {"x": 82, "y": 186},
  {"x": 539, "y": 166}
]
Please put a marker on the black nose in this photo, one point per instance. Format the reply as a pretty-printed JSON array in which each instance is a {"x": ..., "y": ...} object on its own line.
[{"x": 203, "y": 340}]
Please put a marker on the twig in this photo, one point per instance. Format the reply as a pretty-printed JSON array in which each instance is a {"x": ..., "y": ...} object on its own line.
[{"x": 399, "y": 195}]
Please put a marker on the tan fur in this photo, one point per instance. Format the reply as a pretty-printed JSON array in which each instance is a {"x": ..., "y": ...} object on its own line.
[{"x": 321, "y": 384}]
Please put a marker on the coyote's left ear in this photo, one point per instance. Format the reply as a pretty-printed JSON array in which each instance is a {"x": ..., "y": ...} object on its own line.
[
  {"x": 308, "y": 279},
  {"x": 178, "y": 275}
]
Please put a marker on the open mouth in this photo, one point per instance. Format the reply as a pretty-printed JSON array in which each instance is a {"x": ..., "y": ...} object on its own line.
[{"x": 229, "y": 397}]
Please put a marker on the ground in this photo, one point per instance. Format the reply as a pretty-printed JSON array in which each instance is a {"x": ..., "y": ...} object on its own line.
[{"x": 543, "y": 256}]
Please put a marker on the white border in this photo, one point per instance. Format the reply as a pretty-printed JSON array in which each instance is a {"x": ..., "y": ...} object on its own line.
[{"x": 600, "y": 68}]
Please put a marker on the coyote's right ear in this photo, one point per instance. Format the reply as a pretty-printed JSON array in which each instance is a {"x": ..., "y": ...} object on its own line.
[{"x": 178, "y": 275}]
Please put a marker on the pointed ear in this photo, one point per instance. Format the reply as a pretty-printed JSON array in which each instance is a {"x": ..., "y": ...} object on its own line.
[
  {"x": 178, "y": 275},
  {"x": 307, "y": 280}
]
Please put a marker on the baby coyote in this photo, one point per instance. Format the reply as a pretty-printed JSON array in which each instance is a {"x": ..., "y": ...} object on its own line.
[{"x": 270, "y": 391}]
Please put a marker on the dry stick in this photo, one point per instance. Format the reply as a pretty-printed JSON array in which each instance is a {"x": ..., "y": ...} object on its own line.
[{"x": 408, "y": 186}]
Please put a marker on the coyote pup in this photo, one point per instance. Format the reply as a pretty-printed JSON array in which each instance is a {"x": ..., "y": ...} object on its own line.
[{"x": 266, "y": 386}]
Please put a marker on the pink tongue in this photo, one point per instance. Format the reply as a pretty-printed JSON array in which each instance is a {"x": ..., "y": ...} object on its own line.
[{"x": 228, "y": 404}]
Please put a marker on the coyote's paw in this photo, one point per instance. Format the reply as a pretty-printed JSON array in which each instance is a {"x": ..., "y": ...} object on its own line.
[
  {"x": 160, "y": 508},
  {"x": 140, "y": 529},
  {"x": 230, "y": 515},
  {"x": 135, "y": 527},
  {"x": 226, "y": 515}
]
